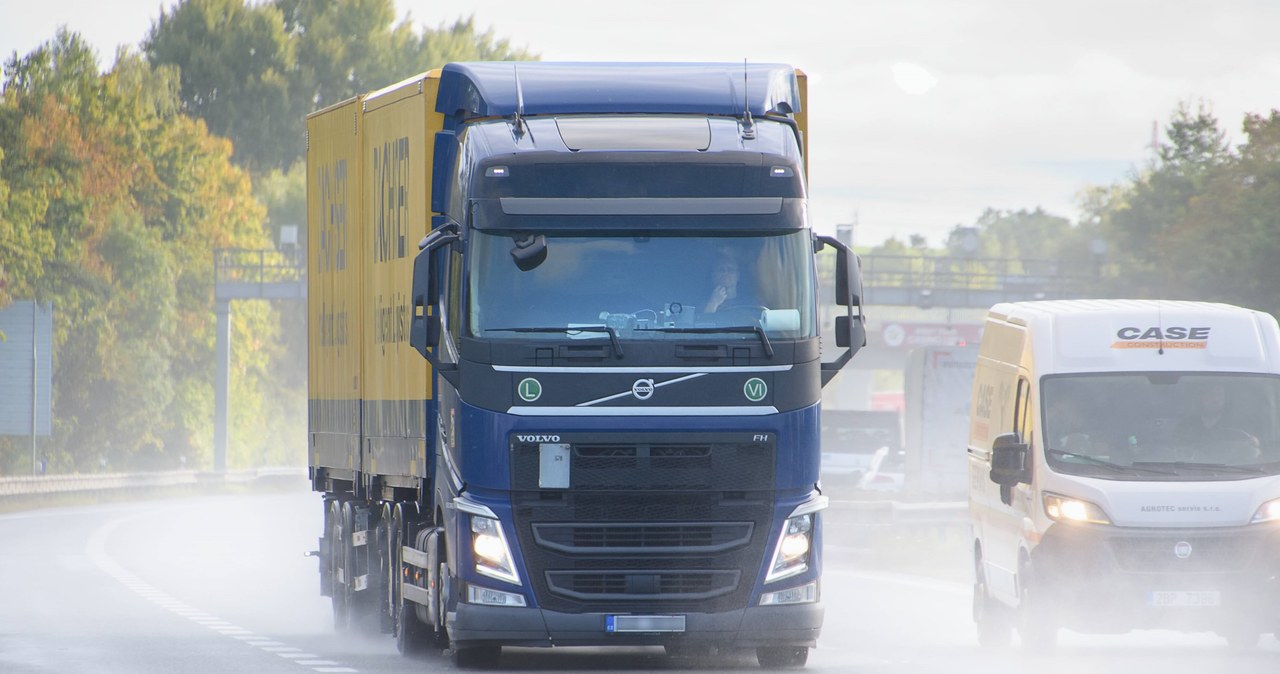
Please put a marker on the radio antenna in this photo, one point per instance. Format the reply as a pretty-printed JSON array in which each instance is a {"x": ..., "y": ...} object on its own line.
[
  {"x": 748, "y": 126},
  {"x": 519, "y": 119}
]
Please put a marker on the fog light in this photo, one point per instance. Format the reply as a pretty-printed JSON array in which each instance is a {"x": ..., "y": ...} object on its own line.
[
  {"x": 489, "y": 597},
  {"x": 805, "y": 594}
]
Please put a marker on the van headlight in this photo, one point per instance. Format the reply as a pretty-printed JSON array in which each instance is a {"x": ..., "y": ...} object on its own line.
[
  {"x": 1073, "y": 510},
  {"x": 492, "y": 553},
  {"x": 1267, "y": 512}
]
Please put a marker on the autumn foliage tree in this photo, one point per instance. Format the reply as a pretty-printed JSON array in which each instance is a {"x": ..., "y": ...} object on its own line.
[{"x": 113, "y": 203}]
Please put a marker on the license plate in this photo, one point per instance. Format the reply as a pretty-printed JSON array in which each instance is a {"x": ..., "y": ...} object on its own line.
[
  {"x": 1188, "y": 599},
  {"x": 644, "y": 623}
]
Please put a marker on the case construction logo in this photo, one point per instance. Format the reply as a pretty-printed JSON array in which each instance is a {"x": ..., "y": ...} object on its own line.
[{"x": 1158, "y": 337}]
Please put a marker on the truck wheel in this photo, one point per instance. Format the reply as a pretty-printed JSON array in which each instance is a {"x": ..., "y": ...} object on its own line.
[
  {"x": 441, "y": 636},
  {"x": 412, "y": 637},
  {"x": 778, "y": 657},
  {"x": 1037, "y": 626},
  {"x": 991, "y": 617}
]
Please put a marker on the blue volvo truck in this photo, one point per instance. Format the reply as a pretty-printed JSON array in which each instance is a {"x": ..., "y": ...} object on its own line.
[{"x": 566, "y": 361}]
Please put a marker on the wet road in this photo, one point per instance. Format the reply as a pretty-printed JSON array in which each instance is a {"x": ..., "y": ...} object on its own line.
[{"x": 220, "y": 584}]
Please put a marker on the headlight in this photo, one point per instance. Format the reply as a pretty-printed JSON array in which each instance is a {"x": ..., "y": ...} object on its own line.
[
  {"x": 493, "y": 555},
  {"x": 792, "y": 554},
  {"x": 1074, "y": 510},
  {"x": 1267, "y": 512}
]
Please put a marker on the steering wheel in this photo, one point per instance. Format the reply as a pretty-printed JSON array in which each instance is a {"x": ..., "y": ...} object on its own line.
[{"x": 755, "y": 311}]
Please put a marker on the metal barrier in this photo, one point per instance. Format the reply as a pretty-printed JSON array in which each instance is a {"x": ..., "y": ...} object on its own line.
[
  {"x": 898, "y": 513},
  {"x": 67, "y": 484}
]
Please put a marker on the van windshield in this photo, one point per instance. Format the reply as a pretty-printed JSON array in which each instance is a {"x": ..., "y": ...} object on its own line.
[{"x": 1162, "y": 426}]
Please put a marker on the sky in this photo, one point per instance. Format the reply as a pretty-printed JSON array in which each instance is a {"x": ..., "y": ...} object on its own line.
[{"x": 924, "y": 113}]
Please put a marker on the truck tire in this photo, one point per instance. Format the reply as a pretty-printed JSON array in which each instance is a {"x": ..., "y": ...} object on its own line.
[
  {"x": 412, "y": 636},
  {"x": 780, "y": 657}
]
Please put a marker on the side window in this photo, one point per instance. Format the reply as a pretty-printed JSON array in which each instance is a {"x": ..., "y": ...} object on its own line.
[
  {"x": 451, "y": 298},
  {"x": 1021, "y": 405},
  {"x": 453, "y": 294}
]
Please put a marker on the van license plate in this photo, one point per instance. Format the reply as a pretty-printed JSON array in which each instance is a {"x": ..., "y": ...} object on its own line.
[
  {"x": 644, "y": 623},
  {"x": 1179, "y": 599}
]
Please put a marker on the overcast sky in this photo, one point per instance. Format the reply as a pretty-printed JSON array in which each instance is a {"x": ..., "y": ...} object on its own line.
[{"x": 923, "y": 112}]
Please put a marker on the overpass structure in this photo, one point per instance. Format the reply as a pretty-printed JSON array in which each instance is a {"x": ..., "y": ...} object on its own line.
[
  {"x": 968, "y": 282},
  {"x": 888, "y": 281},
  {"x": 241, "y": 274}
]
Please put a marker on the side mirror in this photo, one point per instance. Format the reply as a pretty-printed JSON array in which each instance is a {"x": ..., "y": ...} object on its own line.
[
  {"x": 1010, "y": 461},
  {"x": 424, "y": 327},
  {"x": 851, "y": 327}
]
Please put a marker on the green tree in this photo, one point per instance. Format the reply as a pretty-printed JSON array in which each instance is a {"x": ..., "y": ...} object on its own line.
[
  {"x": 1144, "y": 224},
  {"x": 253, "y": 72},
  {"x": 235, "y": 61}
]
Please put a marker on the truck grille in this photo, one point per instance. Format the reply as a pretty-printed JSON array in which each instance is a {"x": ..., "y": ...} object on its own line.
[
  {"x": 653, "y": 537},
  {"x": 642, "y": 584},
  {"x": 649, "y": 522}
]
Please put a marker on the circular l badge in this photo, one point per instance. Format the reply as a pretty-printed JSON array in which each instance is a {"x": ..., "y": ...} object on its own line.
[{"x": 529, "y": 389}]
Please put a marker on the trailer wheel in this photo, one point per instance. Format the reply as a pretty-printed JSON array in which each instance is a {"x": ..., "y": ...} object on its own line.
[
  {"x": 337, "y": 560},
  {"x": 779, "y": 657},
  {"x": 386, "y": 576}
]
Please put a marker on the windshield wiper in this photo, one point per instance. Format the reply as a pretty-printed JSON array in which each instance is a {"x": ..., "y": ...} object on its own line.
[
  {"x": 757, "y": 329},
  {"x": 1196, "y": 465},
  {"x": 613, "y": 334},
  {"x": 1095, "y": 461}
]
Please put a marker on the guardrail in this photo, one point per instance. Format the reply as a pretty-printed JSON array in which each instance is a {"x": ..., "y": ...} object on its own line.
[
  {"x": 899, "y": 513},
  {"x": 67, "y": 484}
]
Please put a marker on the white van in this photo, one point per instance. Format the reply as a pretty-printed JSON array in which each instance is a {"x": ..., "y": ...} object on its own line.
[{"x": 1124, "y": 470}]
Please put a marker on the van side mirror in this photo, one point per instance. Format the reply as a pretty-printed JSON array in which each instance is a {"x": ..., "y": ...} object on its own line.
[{"x": 1010, "y": 460}]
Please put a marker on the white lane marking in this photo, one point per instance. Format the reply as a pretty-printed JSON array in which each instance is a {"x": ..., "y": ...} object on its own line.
[{"x": 96, "y": 551}]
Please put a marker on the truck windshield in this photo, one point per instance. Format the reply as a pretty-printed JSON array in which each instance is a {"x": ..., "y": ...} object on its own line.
[
  {"x": 1162, "y": 426},
  {"x": 644, "y": 287}
]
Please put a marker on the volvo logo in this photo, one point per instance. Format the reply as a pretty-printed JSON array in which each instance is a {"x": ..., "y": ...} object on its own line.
[
  {"x": 538, "y": 438},
  {"x": 1182, "y": 550},
  {"x": 642, "y": 389}
]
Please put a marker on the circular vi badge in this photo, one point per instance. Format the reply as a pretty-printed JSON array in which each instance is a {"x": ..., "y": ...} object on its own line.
[{"x": 755, "y": 389}]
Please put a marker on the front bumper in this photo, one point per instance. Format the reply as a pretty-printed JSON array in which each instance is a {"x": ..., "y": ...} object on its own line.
[
  {"x": 747, "y": 628},
  {"x": 1111, "y": 579}
]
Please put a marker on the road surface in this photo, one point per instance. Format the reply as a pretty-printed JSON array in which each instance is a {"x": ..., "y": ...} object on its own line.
[{"x": 221, "y": 584}]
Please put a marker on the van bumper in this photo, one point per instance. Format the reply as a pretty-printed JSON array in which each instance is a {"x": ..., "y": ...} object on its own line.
[
  {"x": 796, "y": 625},
  {"x": 1104, "y": 579}
]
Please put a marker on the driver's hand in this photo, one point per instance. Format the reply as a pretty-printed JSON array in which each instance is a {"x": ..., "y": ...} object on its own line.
[{"x": 718, "y": 296}]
